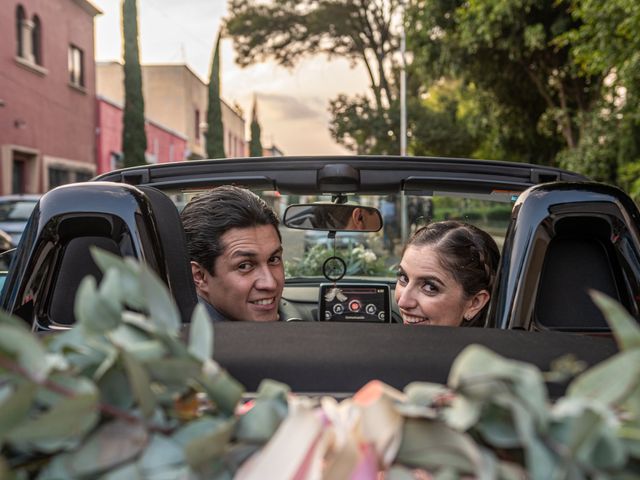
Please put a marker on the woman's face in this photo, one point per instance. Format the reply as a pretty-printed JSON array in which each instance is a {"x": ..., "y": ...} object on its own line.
[{"x": 428, "y": 294}]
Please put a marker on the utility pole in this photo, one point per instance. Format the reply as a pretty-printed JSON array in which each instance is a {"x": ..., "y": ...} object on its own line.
[{"x": 404, "y": 224}]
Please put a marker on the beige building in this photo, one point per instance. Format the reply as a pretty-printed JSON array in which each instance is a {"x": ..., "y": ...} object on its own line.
[{"x": 177, "y": 98}]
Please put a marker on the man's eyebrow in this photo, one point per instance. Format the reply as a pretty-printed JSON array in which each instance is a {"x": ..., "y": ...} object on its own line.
[
  {"x": 244, "y": 253},
  {"x": 252, "y": 254}
]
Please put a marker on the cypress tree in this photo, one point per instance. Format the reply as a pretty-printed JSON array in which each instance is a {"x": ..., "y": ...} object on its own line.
[
  {"x": 255, "y": 145},
  {"x": 215, "y": 129},
  {"x": 134, "y": 139}
]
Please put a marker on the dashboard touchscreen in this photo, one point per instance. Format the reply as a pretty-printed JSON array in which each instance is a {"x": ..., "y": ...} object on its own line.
[{"x": 349, "y": 302}]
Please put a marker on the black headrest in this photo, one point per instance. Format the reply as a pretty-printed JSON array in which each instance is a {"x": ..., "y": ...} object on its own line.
[
  {"x": 573, "y": 266},
  {"x": 174, "y": 247},
  {"x": 76, "y": 263}
]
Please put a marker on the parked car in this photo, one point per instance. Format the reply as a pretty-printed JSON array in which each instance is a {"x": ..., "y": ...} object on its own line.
[
  {"x": 564, "y": 235},
  {"x": 15, "y": 210},
  {"x": 343, "y": 240},
  {"x": 6, "y": 254}
]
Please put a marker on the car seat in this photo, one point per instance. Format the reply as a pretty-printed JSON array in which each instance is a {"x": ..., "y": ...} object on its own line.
[
  {"x": 564, "y": 239},
  {"x": 579, "y": 258},
  {"x": 139, "y": 222}
]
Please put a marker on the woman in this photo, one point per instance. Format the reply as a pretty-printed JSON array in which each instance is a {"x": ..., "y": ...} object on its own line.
[{"x": 446, "y": 274}]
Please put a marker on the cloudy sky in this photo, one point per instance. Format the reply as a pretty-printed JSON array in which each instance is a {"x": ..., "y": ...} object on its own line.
[{"x": 292, "y": 104}]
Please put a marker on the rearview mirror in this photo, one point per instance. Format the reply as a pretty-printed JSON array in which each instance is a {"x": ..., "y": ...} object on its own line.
[{"x": 331, "y": 216}]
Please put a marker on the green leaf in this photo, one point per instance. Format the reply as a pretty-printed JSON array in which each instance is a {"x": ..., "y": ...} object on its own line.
[
  {"x": 260, "y": 423},
  {"x": 7, "y": 319},
  {"x": 611, "y": 381},
  {"x": 15, "y": 406},
  {"x": 140, "y": 384},
  {"x": 93, "y": 312},
  {"x": 163, "y": 455},
  {"x": 206, "y": 448},
  {"x": 587, "y": 433},
  {"x": 19, "y": 343},
  {"x": 498, "y": 427},
  {"x": 222, "y": 389},
  {"x": 114, "y": 388},
  {"x": 425, "y": 393},
  {"x": 463, "y": 413},
  {"x": 479, "y": 373},
  {"x": 273, "y": 390},
  {"x": 397, "y": 472},
  {"x": 63, "y": 425},
  {"x": 56, "y": 469},
  {"x": 113, "y": 444},
  {"x": 204, "y": 439},
  {"x": 162, "y": 309},
  {"x": 625, "y": 328},
  {"x": 433, "y": 445},
  {"x": 201, "y": 334},
  {"x": 138, "y": 343},
  {"x": 130, "y": 471},
  {"x": 128, "y": 270},
  {"x": 174, "y": 372}
]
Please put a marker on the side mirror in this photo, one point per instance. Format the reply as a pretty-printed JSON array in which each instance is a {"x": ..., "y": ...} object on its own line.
[{"x": 333, "y": 217}]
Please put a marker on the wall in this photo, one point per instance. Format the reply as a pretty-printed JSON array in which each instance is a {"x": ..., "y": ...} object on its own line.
[
  {"x": 45, "y": 121},
  {"x": 173, "y": 94},
  {"x": 163, "y": 144}
]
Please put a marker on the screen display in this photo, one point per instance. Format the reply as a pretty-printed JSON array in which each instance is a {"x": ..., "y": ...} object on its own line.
[{"x": 349, "y": 302}]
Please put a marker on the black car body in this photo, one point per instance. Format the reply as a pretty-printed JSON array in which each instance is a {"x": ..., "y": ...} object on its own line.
[{"x": 565, "y": 235}]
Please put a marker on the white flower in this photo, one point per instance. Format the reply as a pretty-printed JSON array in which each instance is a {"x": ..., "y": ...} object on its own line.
[{"x": 368, "y": 256}]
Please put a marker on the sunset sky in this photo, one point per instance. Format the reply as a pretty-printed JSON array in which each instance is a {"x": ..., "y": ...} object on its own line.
[{"x": 292, "y": 104}]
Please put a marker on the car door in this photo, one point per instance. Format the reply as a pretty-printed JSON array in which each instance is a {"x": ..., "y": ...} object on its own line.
[{"x": 564, "y": 239}]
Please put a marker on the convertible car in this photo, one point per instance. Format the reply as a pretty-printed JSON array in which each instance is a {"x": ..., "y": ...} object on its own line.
[{"x": 560, "y": 236}]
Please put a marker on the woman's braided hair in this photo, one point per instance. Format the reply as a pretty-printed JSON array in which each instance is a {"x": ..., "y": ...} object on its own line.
[{"x": 467, "y": 252}]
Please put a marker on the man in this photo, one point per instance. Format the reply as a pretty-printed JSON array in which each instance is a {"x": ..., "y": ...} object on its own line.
[
  {"x": 388, "y": 211},
  {"x": 236, "y": 254}
]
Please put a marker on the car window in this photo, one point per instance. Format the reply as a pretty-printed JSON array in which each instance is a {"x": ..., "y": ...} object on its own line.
[
  {"x": 377, "y": 254},
  {"x": 16, "y": 211}
]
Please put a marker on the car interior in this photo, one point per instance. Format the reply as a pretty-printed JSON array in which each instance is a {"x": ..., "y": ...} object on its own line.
[{"x": 557, "y": 240}]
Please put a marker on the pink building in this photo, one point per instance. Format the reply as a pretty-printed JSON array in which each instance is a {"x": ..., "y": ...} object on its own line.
[
  {"x": 47, "y": 94},
  {"x": 163, "y": 144}
]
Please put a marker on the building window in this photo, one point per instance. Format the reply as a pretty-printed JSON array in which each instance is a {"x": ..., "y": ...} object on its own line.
[
  {"x": 58, "y": 176},
  {"x": 76, "y": 66},
  {"x": 36, "y": 40},
  {"x": 19, "y": 180},
  {"x": 20, "y": 25},
  {"x": 197, "y": 126},
  {"x": 28, "y": 37},
  {"x": 82, "y": 176},
  {"x": 116, "y": 160}
]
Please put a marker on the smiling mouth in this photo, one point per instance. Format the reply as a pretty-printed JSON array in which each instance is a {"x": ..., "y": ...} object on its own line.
[
  {"x": 414, "y": 320},
  {"x": 264, "y": 301}
]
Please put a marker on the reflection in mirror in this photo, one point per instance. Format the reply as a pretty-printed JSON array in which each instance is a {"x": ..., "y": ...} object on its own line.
[{"x": 330, "y": 216}]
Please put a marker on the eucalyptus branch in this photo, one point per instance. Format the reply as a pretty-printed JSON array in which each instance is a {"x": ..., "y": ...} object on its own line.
[{"x": 52, "y": 386}]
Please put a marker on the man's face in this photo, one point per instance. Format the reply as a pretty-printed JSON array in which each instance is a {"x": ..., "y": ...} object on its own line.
[{"x": 248, "y": 276}]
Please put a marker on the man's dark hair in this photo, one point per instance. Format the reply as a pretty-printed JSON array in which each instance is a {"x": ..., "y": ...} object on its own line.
[{"x": 210, "y": 215}]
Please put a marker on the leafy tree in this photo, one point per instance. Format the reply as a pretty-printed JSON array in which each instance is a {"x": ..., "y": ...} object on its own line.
[
  {"x": 134, "y": 139},
  {"x": 215, "y": 129},
  {"x": 255, "y": 144},
  {"x": 509, "y": 50},
  {"x": 607, "y": 44},
  {"x": 358, "y": 30},
  {"x": 363, "y": 128}
]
